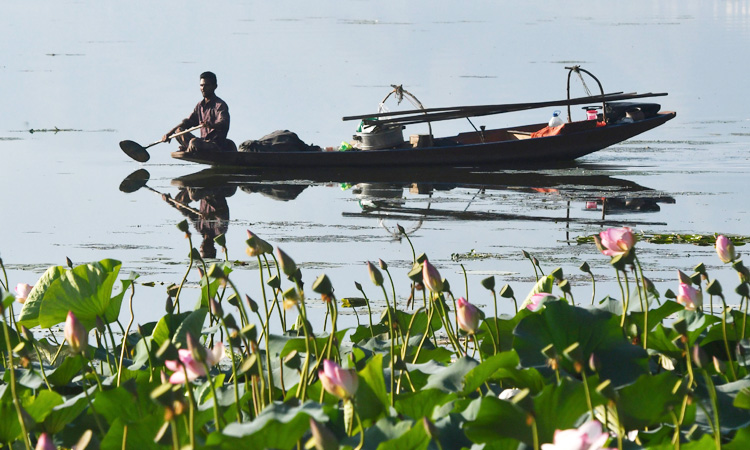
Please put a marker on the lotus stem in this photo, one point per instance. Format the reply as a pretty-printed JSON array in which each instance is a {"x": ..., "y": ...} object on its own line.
[
  {"x": 726, "y": 343},
  {"x": 217, "y": 416},
  {"x": 593, "y": 288},
  {"x": 624, "y": 300},
  {"x": 125, "y": 336},
  {"x": 647, "y": 306},
  {"x": 13, "y": 388}
]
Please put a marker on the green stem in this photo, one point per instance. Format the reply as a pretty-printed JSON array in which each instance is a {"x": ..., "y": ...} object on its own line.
[
  {"x": 234, "y": 374},
  {"x": 391, "y": 327},
  {"x": 726, "y": 343},
  {"x": 14, "y": 392},
  {"x": 645, "y": 310},
  {"x": 125, "y": 337},
  {"x": 184, "y": 278},
  {"x": 217, "y": 415},
  {"x": 593, "y": 288},
  {"x": 624, "y": 300}
]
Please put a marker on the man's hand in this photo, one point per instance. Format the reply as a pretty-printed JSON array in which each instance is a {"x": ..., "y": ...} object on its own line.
[{"x": 166, "y": 138}]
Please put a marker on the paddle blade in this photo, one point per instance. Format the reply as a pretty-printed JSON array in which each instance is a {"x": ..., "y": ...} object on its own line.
[
  {"x": 135, "y": 151},
  {"x": 134, "y": 181}
]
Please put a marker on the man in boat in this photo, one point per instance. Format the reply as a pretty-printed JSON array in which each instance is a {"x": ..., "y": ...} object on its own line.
[{"x": 213, "y": 114}]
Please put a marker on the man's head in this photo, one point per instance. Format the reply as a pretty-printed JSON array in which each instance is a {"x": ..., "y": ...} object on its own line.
[{"x": 208, "y": 84}]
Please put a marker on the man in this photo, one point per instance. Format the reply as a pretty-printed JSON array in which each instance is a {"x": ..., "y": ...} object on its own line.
[{"x": 213, "y": 114}]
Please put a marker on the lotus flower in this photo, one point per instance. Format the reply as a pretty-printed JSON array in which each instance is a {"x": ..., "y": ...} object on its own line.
[
  {"x": 22, "y": 292},
  {"x": 725, "y": 249},
  {"x": 340, "y": 382},
  {"x": 45, "y": 443},
  {"x": 616, "y": 241},
  {"x": 431, "y": 277},
  {"x": 689, "y": 297},
  {"x": 375, "y": 275},
  {"x": 193, "y": 367},
  {"x": 537, "y": 300},
  {"x": 287, "y": 264},
  {"x": 468, "y": 316},
  {"x": 588, "y": 436},
  {"x": 76, "y": 334}
]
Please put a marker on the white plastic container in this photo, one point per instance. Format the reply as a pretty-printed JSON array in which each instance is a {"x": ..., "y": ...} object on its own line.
[{"x": 556, "y": 120}]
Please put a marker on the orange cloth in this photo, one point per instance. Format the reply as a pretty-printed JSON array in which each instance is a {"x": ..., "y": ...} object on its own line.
[{"x": 547, "y": 131}]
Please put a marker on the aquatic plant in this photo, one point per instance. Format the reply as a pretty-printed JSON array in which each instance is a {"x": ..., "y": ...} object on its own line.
[{"x": 628, "y": 371}]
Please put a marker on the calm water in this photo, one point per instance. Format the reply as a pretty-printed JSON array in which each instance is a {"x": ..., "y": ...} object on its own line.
[{"x": 102, "y": 73}]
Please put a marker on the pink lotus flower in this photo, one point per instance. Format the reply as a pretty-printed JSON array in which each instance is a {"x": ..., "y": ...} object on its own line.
[
  {"x": 725, "y": 249},
  {"x": 45, "y": 443},
  {"x": 588, "y": 436},
  {"x": 193, "y": 367},
  {"x": 76, "y": 334},
  {"x": 342, "y": 383},
  {"x": 431, "y": 277},
  {"x": 467, "y": 315},
  {"x": 616, "y": 241},
  {"x": 689, "y": 297},
  {"x": 537, "y": 300},
  {"x": 22, "y": 292}
]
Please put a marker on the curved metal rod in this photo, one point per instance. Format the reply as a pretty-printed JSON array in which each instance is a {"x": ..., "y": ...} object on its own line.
[{"x": 578, "y": 70}]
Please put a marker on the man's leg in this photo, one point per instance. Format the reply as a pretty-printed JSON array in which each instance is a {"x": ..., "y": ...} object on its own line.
[{"x": 198, "y": 144}]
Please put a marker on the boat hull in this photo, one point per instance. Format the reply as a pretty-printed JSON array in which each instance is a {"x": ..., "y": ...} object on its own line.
[{"x": 464, "y": 150}]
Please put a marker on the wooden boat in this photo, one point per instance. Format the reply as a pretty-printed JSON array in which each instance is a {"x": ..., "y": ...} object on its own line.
[{"x": 520, "y": 144}]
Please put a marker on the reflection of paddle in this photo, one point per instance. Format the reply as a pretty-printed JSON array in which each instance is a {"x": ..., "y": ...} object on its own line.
[
  {"x": 139, "y": 178},
  {"x": 139, "y": 153}
]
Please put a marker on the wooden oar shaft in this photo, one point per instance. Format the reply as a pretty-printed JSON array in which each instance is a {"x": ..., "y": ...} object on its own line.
[
  {"x": 197, "y": 127},
  {"x": 594, "y": 98},
  {"x": 448, "y": 115}
]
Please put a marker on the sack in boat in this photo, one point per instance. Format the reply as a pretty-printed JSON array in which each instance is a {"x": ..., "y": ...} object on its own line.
[{"x": 278, "y": 141}]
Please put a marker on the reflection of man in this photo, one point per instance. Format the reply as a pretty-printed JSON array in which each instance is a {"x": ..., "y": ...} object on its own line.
[
  {"x": 213, "y": 214},
  {"x": 211, "y": 112}
]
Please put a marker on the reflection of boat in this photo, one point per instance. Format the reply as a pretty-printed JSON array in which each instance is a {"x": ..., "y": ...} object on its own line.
[
  {"x": 381, "y": 192},
  {"x": 379, "y": 141}
]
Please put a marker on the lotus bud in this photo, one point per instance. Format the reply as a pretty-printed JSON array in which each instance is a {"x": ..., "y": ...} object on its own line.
[
  {"x": 468, "y": 316},
  {"x": 699, "y": 357},
  {"x": 682, "y": 276},
  {"x": 76, "y": 334},
  {"x": 22, "y": 292},
  {"x": 585, "y": 268},
  {"x": 525, "y": 254},
  {"x": 375, "y": 275},
  {"x": 489, "y": 283},
  {"x": 689, "y": 297},
  {"x": 595, "y": 363},
  {"x": 506, "y": 291},
  {"x": 358, "y": 286},
  {"x": 27, "y": 334},
  {"x": 69, "y": 262},
  {"x": 287, "y": 264},
  {"x": 215, "y": 308},
  {"x": 323, "y": 286},
  {"x": 713, "y": 288},
  {"x": 251, "y": 303},
  {"x": 169, "y": 306},
  {"x": 342, "y": 383},
  {"x": 557, "y": 274},
  {"x": 322, "y": 437},
  {"x": 431, "y": 277},
  {"x": 725, "y": 249},
  {"x": 197, "y": 350},
  {"x": 45, "y": 443},
  {"x": 101, "y": 327},
  {"x": 183, "y": 226},
  {"x": 719, "y": 365},
  {"x": 383, "y": 265},
  {"x": 429, "y": 428},
  {"x": 401, "y": 229}
]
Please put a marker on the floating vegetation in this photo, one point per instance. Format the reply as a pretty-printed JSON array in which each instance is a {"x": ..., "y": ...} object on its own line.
[
  {"x": 472, "y": 255},
  {"x": 702, "y": 240}
]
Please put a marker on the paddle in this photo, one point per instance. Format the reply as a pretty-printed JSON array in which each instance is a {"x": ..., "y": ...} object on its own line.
[
  {"x": 139, "y": 179},
  {"x": 139, "y": 153}
]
